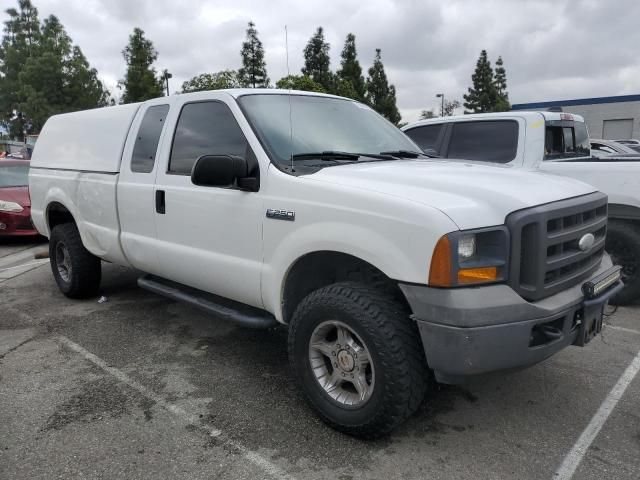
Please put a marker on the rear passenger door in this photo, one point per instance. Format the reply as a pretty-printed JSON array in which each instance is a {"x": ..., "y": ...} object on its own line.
[
  {"x": 209, "y": 237},
  {"x": 136, "y": 186}
]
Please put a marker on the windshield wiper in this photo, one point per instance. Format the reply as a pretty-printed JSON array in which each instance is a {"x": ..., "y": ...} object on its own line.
[
  {"x": 403, "y": 154},
  {"x": 347, "y": 156},
  {"x": 326, "y": 155}
]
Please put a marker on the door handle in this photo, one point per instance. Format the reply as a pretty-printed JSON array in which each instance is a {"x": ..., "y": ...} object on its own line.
[{"x": 160, "y": 205}]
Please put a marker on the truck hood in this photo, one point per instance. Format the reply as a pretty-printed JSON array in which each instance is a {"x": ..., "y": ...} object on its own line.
[{"x": 472, "y": 195}]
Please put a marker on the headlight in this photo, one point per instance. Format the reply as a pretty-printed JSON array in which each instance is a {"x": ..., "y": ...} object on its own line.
[
  {"x": 9, "y": 207},
  {"x": 470, "y": 257}
]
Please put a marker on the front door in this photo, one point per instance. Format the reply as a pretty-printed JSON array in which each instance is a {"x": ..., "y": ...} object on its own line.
[{"x": 209, "y": 238}]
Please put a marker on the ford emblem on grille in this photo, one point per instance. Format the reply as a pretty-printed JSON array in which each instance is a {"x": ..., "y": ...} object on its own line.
[{"x": 586, "y": 242}]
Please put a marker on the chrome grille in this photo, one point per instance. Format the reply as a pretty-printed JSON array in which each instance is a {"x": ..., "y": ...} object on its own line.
[{"x": 545, "y": 255}]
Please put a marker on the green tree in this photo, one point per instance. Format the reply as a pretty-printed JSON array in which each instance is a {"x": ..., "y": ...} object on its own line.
[
  {"x": 449, "y": 107},
  {"x": 19, "y": 42},
  {"x": 482, "y": 97},
  {"x": 212, "y": 81},
  {"x": 42, "y": 73},
  {"x": 380, "y": 95},
  {"x": 500, "y": 84},
  {"x": 317, "y": 61},
  {"x": 426, "y": 114},
  {"x": 140, "y": 82},
  {"x": 300, "y": 82},
  {"x": 350, "y": 72},
  {"x": 253, "y": 72}
]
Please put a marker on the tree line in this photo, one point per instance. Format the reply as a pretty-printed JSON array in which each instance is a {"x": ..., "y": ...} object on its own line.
[
  {"x": 43, "y": 73},
  {"x": 315, "y": 76}
]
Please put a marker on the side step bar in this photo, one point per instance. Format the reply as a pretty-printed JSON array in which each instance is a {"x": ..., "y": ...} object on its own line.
[{"x": 236, "y": 312}]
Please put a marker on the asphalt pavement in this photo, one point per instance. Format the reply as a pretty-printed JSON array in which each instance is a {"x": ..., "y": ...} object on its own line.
[{"x": 142, "y": 387}]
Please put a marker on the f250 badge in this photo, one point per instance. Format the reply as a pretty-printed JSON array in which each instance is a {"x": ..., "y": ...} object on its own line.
[{"x": 281, "y": 214}]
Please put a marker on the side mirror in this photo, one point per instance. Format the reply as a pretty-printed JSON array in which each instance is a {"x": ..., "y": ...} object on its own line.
[{"x": 218, "y": 170}]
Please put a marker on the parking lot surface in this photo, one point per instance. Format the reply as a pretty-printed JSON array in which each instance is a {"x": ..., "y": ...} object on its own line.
[{"x": 142, "y": 387}]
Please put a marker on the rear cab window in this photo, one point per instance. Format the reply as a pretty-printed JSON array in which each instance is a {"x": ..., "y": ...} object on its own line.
[
  {"x": 566, "y": 139},
  {"x": 493, "y": 141},
  {"x": 146, "y": 146}
]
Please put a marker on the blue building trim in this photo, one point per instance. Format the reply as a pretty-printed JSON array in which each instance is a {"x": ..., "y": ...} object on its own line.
[{"x": 578, "y": 101}]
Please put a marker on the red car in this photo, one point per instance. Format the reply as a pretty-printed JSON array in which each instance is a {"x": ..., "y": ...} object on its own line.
[{"x": 15, "y": 204}]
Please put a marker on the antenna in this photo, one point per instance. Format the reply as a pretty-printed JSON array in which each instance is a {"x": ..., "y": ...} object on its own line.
[{"x": 286, "y": 46}]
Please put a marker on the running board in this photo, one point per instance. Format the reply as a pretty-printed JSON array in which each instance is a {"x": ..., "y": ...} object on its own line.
[{"x": 243, "y": 315}]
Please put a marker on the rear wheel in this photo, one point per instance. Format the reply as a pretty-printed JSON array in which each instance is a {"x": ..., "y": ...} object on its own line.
[
  {"x": 623, "y": 244},
  {"x": 76, "y": 270},
  {"x": 358, "y": 358}
]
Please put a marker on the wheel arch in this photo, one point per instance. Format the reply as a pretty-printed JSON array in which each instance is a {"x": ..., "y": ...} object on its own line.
[
  {"x": 619, "y": 211},
  {"x": 56, "y": 214},
  {"x": 317, "y": 269}
]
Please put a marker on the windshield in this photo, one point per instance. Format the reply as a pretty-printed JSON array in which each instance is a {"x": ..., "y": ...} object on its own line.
[
  {"x": 14, "y": 175},
  {"x": 319, "y": 124}
]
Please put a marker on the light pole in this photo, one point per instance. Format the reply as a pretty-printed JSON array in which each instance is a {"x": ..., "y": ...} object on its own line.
[
  {"x": 441, "y": 95},
  {"x": 167, "y": 76}
]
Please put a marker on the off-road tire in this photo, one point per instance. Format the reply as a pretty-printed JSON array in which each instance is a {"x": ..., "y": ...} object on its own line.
[
  {"x": 393, "y": 341},
  {"x": 623, "y": 244},
  {"x": 86, "y": 269}
]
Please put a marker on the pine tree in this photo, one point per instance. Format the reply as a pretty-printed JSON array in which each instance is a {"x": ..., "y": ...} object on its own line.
[
  {"x": 212, "y": 81},
  {"x": 140, "y": 82},
  {"x": 42, "y": 73},
  {"x": 350, "y": 72},
  {"x": 21, "y": 37},
  {"x": 482, "y": 97},
  {"x": 253, "y": 72},
  {"x": 317, "y": 61},
  {"x": 380, "y": 95},
  {"x": 500, "y": 83}
]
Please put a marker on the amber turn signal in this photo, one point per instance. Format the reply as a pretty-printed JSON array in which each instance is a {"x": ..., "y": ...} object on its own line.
[
  {"x": 440, "y": 270},
  {"x": 477, "y": 275}
]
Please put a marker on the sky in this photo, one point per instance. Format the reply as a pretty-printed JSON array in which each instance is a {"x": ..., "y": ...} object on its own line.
[{"x": 552, "y": 49}]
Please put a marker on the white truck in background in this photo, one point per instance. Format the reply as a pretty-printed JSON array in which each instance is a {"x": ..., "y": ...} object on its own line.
[
  {"x": 556, "y": 143},
  {"x": 266, "y": 206}
]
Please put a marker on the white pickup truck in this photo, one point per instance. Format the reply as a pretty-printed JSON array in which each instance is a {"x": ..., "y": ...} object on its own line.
[
  {"x": 556, "y": 143},
  {"x": 267, "y": 206}
]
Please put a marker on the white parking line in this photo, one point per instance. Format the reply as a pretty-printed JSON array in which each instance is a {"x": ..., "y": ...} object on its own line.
[
  {"x": 191, "y": 419},
  {"x": 622, "y": 329},
  {"x": 573, "y": 459},
  {"x": 37, "y": 262}
]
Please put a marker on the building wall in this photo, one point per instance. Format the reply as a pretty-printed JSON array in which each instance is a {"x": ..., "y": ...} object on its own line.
[{"x": 595, "y": 115}]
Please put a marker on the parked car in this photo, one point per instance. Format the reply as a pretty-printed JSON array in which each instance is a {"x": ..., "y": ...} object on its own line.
[
  {"x": 556, "y": 143},
  {"x": 609, "y": 148},
  {"x": 15, "y": 205},
  {"x": 265, "y": 206}
]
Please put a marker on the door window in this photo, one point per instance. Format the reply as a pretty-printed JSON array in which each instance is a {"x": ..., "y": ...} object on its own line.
[
  {"x": 488, "y": 141},
  {"x": 146, "y": 146},
  {"x": 205, "y": 128},
  {"x": 425, "y": 136}
]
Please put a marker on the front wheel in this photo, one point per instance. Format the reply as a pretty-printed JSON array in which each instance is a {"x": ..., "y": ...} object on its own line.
[
  {"x": 76, "y": 270},
  {"x": 623, "y": 244},
  {"x": 358, "y": 358}
]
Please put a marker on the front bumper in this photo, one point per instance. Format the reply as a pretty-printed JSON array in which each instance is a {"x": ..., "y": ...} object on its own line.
[
  {"x": 468, "y": 331},
  {"x": 17, "y": 224}
]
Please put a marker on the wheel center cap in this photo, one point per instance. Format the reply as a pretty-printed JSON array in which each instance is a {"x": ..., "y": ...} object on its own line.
[{"x": 346, "y": 361}]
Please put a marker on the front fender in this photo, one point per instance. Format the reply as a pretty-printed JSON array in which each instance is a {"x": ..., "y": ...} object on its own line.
[{"x": 402, "y": 251}]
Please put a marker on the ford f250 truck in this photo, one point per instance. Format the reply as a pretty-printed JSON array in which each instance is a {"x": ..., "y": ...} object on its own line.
[
  {"x": 556, "y": 143},
  {"x": 269, "y": 206}
]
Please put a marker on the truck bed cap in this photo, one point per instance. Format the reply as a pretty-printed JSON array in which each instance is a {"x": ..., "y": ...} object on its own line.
[{"x": 91, "y": 140}]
